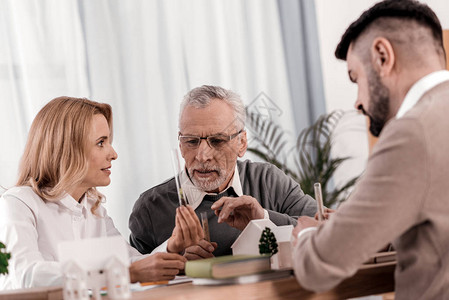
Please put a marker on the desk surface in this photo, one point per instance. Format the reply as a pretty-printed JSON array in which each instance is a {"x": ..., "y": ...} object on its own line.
[
  {"x": 367, "y": 281},
  {"x": 376, "y": 279}
]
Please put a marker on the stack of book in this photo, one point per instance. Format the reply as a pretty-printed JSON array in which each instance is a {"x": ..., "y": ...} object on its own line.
[{"x": 232, "y": 269}]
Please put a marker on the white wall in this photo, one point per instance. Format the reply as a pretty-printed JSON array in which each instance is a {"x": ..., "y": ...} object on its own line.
[{"x": 333, "y": 18}]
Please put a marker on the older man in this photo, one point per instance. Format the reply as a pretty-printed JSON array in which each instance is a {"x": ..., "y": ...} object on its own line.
[
  {"x": 395, "y": 55},
  {"x": 230, "y": 192}
]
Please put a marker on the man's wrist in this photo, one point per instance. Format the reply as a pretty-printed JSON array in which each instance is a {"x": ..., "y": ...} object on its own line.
[
  {"x": 132, "y": 275},
  {"x": 171, "y": 250},
  {"x": 266, "y": 215},
  {"x": 170, "y": 247},
  {"x": 304, "y": 231}
]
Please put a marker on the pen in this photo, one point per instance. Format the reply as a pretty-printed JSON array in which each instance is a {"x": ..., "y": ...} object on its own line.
[
  {"x": 319, "y": 200},
  {"x": 154, "y": 283}
]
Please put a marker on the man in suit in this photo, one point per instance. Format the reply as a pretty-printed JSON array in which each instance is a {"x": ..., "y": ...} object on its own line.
[
  {"x": 395, "y": 55},
  {"x": 229, "y": 191}
]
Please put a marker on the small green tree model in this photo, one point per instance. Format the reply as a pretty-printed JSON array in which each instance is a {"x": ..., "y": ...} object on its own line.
[
  {"x": 4, "y": 257},
  {"x": 267, "y": 242}
]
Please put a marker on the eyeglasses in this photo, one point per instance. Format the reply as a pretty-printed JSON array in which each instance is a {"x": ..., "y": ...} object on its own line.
[{"x": 217, "y": 141}]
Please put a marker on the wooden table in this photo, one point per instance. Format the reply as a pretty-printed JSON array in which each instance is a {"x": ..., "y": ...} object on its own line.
[
  {"x": 372, "y": 280},
  {"x": 367, "y": 281},
  {"x": 39, "y": 293}
]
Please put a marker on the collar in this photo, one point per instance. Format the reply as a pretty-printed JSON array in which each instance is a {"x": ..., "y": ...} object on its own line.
[
  {"x": 420, "y": 88},
  {"x": 69, "y": 202},
  {"x": 195, "y": 195}
]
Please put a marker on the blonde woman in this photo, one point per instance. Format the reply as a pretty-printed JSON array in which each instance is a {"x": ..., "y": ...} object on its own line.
[{"x": 67, "y": 155}]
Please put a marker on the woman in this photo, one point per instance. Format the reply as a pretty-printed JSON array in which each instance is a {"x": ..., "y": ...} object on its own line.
[{"x": 67, "y": 155}]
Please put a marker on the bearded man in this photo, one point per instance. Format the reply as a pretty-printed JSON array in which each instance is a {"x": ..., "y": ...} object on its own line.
[
  {"x": 231, "y": 192},
  {"x": 394, "y": 53}
]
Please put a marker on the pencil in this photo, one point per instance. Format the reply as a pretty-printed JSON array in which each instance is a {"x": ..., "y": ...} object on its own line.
[
  {"x": 205, "y": 223},
  {"x": 319, "y": 200},
  {"x": 177, "y": 170}
]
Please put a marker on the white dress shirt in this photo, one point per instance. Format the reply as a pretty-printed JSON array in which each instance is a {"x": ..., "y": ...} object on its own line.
[
  {"x": 195, "y": 196},
  {"x": 31, "y": 229},
  {"x": 420, "y": 88}
]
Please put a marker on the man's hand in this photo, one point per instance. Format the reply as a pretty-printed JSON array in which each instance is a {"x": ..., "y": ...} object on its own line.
[
  {"x": 203, "y": 249},
  {"x": 238, "y": 212},
  {"x": 327, "y": 213},
  {"x": 187, "y": 231},
  {"x": 303, "y": 223},
  {"x": 156, "y": 267}
]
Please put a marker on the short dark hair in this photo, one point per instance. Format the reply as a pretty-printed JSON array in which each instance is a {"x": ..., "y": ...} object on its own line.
[{"x": 401, "y": 9}]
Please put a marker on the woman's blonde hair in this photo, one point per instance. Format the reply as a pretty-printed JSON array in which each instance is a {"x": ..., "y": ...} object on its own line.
[{"x": 55, "y": 157}]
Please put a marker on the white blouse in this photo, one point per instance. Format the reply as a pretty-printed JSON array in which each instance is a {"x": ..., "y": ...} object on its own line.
[{"x": 31, "y": 229}]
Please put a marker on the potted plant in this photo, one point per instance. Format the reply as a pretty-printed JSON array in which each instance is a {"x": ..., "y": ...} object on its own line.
[
  {"x": 309, "y": 161},
  {"x": 4, "y": 257}
]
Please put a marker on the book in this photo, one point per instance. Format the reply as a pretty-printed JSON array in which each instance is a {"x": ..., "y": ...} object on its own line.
[{"x": 228, "y": 266}]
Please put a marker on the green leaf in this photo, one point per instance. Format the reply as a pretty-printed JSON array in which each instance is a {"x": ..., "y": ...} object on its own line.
[
  {"x": 4, "y": 257},
  {"x": 311, "y": 154}
]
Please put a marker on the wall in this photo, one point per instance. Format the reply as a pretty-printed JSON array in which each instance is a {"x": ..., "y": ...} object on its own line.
[{"x": 333, "y": 18}]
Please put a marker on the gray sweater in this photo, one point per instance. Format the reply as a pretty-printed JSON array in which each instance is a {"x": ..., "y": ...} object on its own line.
[{"x": 153, "y": 217}]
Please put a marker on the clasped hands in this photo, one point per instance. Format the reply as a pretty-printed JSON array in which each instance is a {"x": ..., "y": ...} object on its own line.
[
  {"x": 188, "y": 235},
  {"x": 165, "y": 266}
]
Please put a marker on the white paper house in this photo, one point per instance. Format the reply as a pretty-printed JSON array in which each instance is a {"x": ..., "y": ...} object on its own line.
[
  {"x": 248, "y": 242},
  {"x": 75, "y": 282},
  {"x": 93, "y": 264},
  {"x": 117, "y": 278}
]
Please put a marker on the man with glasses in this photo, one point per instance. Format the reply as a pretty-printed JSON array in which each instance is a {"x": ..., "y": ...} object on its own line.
[{"x": 231, "y": 192}]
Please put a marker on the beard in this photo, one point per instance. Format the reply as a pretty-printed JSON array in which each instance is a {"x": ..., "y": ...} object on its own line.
[
  {"x": 380, "y": 103},
  {"x": 206, "y": 184}
]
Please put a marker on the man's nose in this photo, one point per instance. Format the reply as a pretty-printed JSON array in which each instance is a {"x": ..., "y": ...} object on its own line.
[
  {"x": 204, "y": 151},
  {"x": 359, "y": 106}
]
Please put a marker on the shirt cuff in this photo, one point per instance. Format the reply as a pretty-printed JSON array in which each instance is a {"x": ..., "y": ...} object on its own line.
[
  {"x": 161, "y": 248},
  {"x": 304, "y": 231},
  {"x": 265, "y": 214}
]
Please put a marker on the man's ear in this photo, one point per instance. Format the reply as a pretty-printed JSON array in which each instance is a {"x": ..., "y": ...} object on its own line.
[
  {"x": 243, "y": 145},
  {"x": 382, "y": 56}
]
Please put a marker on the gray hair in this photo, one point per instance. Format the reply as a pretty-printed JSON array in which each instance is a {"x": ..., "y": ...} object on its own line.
[{"x": 201, "y": 97}]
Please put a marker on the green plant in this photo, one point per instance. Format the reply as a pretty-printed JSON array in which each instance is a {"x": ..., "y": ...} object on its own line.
[
  {"x": 4, "y": 257},
  {"x": 267, "y": 242},
  {"x": 309, "y": 161}
]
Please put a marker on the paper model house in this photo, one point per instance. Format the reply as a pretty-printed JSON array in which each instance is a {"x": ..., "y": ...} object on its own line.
[
  {"x": 248, "y": 242},
  {"x": 117, "y": 278},
  {"x": 85, "y": 269},
  {"x": 75, "y": 282}
]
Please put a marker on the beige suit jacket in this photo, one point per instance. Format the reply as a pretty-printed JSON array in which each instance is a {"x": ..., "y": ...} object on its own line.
[{"x": 403, "y": 197}]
